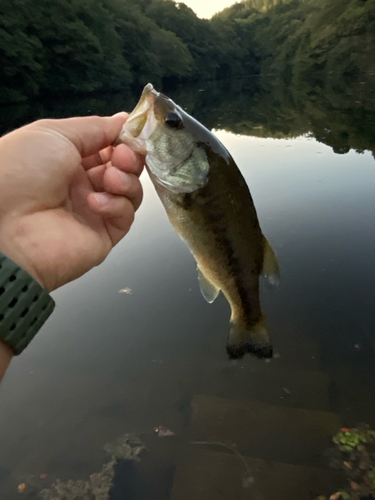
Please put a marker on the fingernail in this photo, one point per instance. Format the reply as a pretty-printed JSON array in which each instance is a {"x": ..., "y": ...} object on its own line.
[
  {"x": 125, "y": 179},
  {"x": 102, "y": 199}
]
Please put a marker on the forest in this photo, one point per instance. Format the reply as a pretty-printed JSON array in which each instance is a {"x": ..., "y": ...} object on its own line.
[{"x": 67, "y": 47}]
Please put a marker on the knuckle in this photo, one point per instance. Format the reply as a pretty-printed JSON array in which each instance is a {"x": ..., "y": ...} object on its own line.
[{"x": 42, "y": 123}]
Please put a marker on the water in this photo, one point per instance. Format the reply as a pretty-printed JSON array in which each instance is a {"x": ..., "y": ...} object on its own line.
[{"x": 108, "y": 363}]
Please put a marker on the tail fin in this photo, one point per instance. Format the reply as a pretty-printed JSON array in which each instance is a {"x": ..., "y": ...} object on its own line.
[{"x": 255, "y": 340}]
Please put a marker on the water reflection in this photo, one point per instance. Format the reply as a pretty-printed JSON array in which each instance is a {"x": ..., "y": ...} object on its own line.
[
  {"x": 337, "y": 113},
  {"x": 108, "y": 363}
]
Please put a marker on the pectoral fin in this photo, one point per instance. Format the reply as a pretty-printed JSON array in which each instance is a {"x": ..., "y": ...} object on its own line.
[
  {"x": 208, "y": 289},
  {"x": 270, "y": 268}
]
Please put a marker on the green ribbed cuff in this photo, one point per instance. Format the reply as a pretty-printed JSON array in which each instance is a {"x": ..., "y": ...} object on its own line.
[{"x": 24, "y": 305}]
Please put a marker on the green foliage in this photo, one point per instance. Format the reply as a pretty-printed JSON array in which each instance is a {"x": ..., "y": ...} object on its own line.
[
  {"x": 309, "y": 40},
  {"x": 152, "y": 53},
  {"x": 353, "y": 439},
  {"x": 355, "y": 455},
  {"x": 83, "y": 46},
  {"x": 214, "y": 47},
  {"x": 21, "y": 69},
  {"x": 349, "y": 441}
]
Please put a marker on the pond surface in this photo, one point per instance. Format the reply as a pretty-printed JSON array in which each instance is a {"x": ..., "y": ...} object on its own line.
[{"x": 108, "y": 363}]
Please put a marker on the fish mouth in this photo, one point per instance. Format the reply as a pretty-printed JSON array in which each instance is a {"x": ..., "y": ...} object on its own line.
[{"x": 141, "y": 122}]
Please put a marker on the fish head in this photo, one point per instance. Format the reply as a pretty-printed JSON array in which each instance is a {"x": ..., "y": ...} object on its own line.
[{"x": 175, "y": 144}]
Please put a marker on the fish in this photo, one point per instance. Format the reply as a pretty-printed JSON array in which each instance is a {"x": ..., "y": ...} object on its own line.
[{"x": 210, "y": 206}]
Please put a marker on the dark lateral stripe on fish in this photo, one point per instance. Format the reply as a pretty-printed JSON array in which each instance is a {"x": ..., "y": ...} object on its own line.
[
  {"x": 232, "y": 262},
  {"x": 188, "y": 200}
]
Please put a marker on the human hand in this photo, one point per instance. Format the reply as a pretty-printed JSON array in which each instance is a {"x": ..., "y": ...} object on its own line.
[{"x": 66, "y": 195}]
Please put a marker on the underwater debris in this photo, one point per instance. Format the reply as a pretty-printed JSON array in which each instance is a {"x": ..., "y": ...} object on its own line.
[
  {"x": 126, "y": 447},
  {"x": 162, "y": 431},
  {"x": 98, "y": 486},
  {"x": 22, "y": 487},
  {"x": 335, "y": 496},
  {"x": 247, "y": 480},
  {"x": 338, "y": 495}
]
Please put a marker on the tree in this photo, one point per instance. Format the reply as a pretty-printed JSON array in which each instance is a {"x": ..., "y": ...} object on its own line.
[{"x": 22, "y": 56}]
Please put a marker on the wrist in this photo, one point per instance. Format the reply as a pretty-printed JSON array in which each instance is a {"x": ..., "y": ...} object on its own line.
[
  {"x": 6, "y": 354},
  {"x": 24, "y": 306},
  {"x": 21, "y": 260},
  {"x": 11, "y": 245}
]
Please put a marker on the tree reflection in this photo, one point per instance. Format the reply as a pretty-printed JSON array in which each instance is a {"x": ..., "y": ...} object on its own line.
[{"x": 338, "y": 114}]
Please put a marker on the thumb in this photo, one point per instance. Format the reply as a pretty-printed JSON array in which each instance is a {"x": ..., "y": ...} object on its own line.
[{"x": 89, "y": 134}]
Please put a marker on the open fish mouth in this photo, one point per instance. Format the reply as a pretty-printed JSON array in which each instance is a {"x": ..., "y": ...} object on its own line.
[
  {"x": 141, "y": 122},
  {"x": 161, "y": 130}
]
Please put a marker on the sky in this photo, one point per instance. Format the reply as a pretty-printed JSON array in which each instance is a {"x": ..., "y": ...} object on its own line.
[{"x": 207, "y": 8}]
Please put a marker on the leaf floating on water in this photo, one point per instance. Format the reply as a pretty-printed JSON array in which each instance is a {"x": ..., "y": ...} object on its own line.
[
  {"x": 128, "y": 291},
  {"x": 163, "y": 431},
  {"x": 22, "y": 487},
  {"x": 335, "y": 496}
]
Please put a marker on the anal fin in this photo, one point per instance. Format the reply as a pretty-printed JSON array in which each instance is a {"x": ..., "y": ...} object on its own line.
[
  {"x": 270, "y": 268},
  {"x": 208, "y": 289}
]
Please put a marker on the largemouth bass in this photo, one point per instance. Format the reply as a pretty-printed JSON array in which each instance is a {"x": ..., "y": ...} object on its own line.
[{"x": 210, "y": 206}]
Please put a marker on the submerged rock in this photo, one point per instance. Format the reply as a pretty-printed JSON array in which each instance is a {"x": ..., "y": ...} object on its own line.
[{"x": 127, "y": 447}]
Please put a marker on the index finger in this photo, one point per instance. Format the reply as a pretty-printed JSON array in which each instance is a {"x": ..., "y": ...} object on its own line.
[{"x": 127, "y": 160}]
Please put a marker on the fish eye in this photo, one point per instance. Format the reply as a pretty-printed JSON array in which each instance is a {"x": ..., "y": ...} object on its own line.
[{"x": 173, "y": 120}]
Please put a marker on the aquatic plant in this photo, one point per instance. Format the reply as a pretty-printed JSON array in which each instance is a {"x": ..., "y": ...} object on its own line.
[
  {"x": 354, "y": 454},
  {"x": 353, "y": 439}
]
